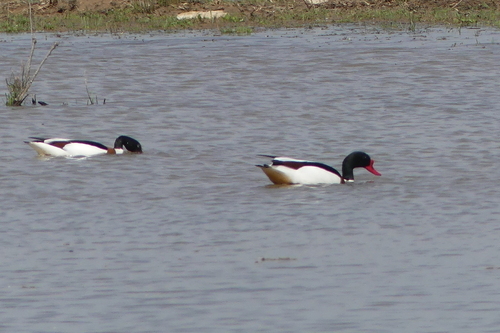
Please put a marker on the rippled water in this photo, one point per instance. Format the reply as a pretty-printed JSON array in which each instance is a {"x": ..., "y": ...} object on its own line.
[{"x": 172, "y": 240}]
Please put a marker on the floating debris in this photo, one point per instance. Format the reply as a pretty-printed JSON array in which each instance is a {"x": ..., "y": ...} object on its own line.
[{"x": 275, "y": 259}]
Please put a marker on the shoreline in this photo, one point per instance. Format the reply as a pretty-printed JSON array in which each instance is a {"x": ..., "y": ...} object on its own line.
[{"x": 239, "y": 17}]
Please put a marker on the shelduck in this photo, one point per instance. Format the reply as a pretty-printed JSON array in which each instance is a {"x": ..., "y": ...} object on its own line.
[
  {"x": 285, "y": 170},
  {"x": 65, "y": 147}
]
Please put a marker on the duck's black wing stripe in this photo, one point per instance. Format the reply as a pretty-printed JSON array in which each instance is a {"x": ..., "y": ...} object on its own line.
[
  {"x": 299, "y": 164},
  {"x": 90, "y": 143},
  {"x": 37, "y": 139}
]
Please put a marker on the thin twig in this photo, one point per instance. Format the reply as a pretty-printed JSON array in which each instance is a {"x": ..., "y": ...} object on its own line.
[
  {"x": 33, "y": 45},
  {"x": 24, "y": 92},
  {"x": 455, "y": 5},
  {"x": 28, "y": 65},
  {"x": 31, "y": 20},
  {"x": 88, "y": 92}
]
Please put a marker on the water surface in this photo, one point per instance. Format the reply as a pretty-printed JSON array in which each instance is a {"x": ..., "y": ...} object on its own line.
[{"x": 172, "y": 240}]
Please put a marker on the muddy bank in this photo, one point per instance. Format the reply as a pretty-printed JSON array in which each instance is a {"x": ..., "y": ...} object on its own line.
[{"x": 137, "y": 15}]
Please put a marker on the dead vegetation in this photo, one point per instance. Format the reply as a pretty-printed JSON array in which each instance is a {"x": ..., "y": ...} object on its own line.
[{"x": 18, "y": 84}]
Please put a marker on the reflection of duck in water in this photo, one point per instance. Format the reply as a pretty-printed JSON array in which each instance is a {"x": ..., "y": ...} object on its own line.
[
  {"x": 65, "y": 147},
  {"x": 285, "y": 170}
]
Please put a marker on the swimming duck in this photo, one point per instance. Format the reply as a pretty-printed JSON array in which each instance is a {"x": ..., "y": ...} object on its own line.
[
  {"x": 285, "y": 170},
  {"x": 65, "y": 147}
]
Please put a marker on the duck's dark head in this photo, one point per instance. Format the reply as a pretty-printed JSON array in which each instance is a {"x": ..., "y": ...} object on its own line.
[
  {"x": 357, "y": 159},
  {"x": 131, "y": 144}
]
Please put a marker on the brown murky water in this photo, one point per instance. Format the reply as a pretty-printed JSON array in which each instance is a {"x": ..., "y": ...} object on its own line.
[{"x": 170, "y": 240}]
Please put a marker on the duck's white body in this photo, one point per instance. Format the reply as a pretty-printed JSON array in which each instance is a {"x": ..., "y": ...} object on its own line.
[
  {"x": 286, "y": 170},
  {"x": 53, "y": 147},
  {"x": 76, "y": 148},
  {"x": 307, "y": 172}
]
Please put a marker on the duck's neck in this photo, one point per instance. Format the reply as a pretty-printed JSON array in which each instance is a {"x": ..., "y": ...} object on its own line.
[
  {"x": 347, "y": 170},
  {"x": 348, "y": 179},
  {"x": 115, "y": 150}
]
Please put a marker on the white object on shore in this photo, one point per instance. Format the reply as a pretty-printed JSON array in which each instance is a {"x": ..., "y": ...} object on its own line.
[
  {"x": 212, "y": 14},
  {"x": 315, "y": 2}
]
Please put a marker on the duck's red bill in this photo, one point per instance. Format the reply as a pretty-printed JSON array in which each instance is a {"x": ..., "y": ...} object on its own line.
[{"x": 372, "y": 169}]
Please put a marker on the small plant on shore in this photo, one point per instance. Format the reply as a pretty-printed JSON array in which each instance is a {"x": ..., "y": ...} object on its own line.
[
  {"x": 144, "y": 6},
  {"x": 166, "y": 3},
  {"x": 465, "y": 20}
]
